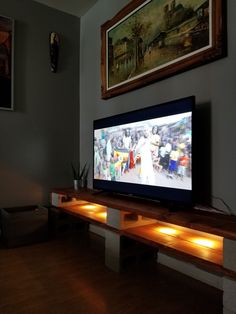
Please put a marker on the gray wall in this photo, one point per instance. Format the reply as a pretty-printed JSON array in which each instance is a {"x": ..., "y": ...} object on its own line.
[
  {"x": 212, "y": 84},
  {"x": 39, "y": 139}
]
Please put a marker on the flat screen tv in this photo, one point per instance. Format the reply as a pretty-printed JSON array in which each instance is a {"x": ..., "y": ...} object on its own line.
[{"x": 147, "y": 152}]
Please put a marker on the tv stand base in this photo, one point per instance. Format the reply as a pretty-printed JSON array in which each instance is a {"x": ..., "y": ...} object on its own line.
[{"x": 217, "y": 263}]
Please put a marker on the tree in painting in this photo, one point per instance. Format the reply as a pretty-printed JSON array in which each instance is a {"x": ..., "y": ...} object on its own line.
[{"x": 157, "y": 34}]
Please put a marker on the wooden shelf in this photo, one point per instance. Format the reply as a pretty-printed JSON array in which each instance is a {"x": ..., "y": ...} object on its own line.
[
  {"x": 182, "y": 242},
  {"x": 189, "y": 223},
  {"x": 93, "y": 213},
  {"x": 88, "y": 210},
  {"x": 218, "y": 224}
]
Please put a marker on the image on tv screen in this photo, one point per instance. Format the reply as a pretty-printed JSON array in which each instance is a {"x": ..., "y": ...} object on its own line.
[{"x": 155, "y": 152}]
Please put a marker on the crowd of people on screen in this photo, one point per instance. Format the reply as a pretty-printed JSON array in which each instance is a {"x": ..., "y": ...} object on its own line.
[{"x": 151, "y": 150}]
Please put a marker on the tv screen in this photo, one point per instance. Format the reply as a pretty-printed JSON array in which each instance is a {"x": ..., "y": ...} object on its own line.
[{"x": 147, "y": 152}]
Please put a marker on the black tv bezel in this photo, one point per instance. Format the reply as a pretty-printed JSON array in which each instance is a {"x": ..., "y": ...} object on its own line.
[{"x": 162, "y": 194}]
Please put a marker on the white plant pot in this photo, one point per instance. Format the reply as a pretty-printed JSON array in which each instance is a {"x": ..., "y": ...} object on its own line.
[{"x": 76, "y": 184}]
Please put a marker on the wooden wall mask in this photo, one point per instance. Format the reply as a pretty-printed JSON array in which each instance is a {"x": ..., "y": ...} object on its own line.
[{"x": 54, "y": 44}]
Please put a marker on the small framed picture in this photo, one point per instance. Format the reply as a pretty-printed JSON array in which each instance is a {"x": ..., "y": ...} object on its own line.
[{"x": 6, "y": 62}]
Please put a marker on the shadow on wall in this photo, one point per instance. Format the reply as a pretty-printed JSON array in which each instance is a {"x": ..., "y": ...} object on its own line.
[
  {"x": 203, "y": 154},
  {"x": 20, "y": 66},
  {"x": 18, "y": 188}
]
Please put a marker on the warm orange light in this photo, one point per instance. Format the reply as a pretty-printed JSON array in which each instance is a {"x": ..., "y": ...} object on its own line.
[
  {"x": 204, "y": 242},
  {"x": 89, "y": 206},
  {"x": 169, "y": 231},
  {"x": 102, "y": 214}
]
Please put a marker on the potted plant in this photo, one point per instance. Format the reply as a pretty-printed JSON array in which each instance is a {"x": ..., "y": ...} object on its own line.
[{"x": 80, "y": 176}]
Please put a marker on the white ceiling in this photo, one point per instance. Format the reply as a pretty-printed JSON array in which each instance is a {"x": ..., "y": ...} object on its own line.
[{"x": 74, "y": 7}]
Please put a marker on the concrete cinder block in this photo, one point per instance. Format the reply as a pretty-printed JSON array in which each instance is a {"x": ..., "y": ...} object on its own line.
[
  {"x": 60, "y": 200},
  {"x": 229, "y": 295},
  {"x": 114, "y": 218},
  {"x": 190, "y": 270},
  {"x": 97, "y": 230},
  {"x": 229, "y": 251},
  {"x": 112, "y": 250},
  {"x": 226, "y": 311},
  {"x": 120, "y": 219}
]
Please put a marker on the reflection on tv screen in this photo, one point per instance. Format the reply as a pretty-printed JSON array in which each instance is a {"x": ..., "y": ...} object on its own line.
[{"x": 154, "y": 152}]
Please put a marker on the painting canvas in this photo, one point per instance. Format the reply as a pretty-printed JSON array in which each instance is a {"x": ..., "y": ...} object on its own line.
[
  {"x": 6, "y": 63},
  {"x": 154, "y": 39}
]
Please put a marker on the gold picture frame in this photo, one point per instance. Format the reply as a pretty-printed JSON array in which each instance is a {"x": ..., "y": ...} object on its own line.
[
  {"x": 6, "y": 62},
  {"x": 150, "y": 40}
]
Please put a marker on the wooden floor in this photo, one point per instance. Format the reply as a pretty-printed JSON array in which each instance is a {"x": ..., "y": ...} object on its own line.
[{"x": 67, "y": 275}]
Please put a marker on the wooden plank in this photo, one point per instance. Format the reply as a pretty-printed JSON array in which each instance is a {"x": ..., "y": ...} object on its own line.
[
  {"x": 219, "y": 224},
  {"x": 166, "y": 241},
  {"x": 213, "y": 223},
  {"x": 89, "y": 217}
]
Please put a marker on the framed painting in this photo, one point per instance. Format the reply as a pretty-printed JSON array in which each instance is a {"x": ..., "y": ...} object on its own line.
[
  {"x": 6, "y": 62},
  {"x": 150, "y": 40}
]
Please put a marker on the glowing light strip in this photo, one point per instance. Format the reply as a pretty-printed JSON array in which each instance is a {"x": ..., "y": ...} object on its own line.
[
  {"x": 204, "y": 242},
  {"x": 89, "y": 206},
  {"x": 198, "y": 241},
  {"x": 102, "y": 215},
  {"x": 168, "y": 231}
]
